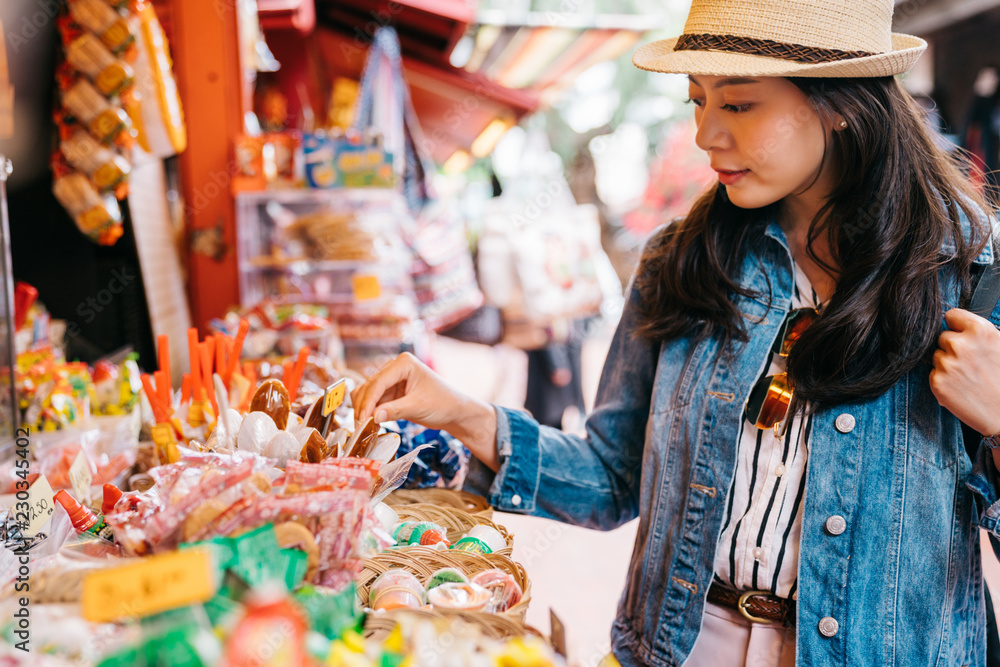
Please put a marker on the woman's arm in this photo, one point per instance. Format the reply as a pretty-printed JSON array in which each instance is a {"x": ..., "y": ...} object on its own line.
[{"x": 591, "y": 480}]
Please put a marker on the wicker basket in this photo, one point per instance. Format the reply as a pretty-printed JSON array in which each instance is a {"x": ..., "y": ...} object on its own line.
[
  {"x": 424, "y": 561},
  {"x": 457, "y": 522},
  {"x": 463, "y": 500},
  {"x": 495, "y": 626}
]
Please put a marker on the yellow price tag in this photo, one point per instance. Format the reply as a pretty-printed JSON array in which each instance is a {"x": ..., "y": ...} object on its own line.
[
  {"x": 40, "y": 506},
  {"x": 149, "y": 586},
  {"x": 365, "y": 288},
  {"x": 334, "y": 396}
]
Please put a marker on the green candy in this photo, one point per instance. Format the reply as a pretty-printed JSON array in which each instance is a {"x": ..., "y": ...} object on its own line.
[{"x": 446, "y": 575}]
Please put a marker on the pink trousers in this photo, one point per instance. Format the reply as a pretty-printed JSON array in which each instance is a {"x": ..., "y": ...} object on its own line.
[{"x": 729, "y": 640}]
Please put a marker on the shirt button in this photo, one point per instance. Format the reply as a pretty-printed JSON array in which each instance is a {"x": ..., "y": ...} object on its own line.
[
  {"x": 836, "y": 524},
  {"x": 828, "y": 626},
  {"x": 780, "y": 470},
  {"x": 845, "y": 423},
  {"x": 758, "y": 553},
  {"x": 515, "y": 500}
]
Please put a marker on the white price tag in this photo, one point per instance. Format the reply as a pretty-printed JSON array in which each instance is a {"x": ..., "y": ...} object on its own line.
[
  {"x": 79, "y": 475},
  {"x": 35, "y": 512}
]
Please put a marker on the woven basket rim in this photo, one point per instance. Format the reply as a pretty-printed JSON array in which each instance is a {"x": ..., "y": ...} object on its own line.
[{"x": 424, "y": 561}]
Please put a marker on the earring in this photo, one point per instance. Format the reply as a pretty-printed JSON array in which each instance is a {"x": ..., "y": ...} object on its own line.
[{"x": 843, "y": 124}]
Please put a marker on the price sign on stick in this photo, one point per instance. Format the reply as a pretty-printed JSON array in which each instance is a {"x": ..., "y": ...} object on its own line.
[
  {"x": 332, "y": 400},
  {"x": 80, "y": 477},
  {"x": 149, "y": 586}
]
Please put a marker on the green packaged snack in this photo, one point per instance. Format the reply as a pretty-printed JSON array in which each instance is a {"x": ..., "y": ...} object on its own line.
[
  {"x": 331, "y": 614},
  {"x": 294, "y": 564}
]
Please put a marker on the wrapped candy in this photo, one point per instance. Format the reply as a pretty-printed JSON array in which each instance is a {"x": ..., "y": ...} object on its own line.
[
  {"x": 446, "y": 575},
  {"x": 481, "y": 539},
  {"x": 504, "y": 589},
  {"x": 460, "y": 596},
  {"x": 396, "y": 589},
  {"x": 424, "y": 533}
]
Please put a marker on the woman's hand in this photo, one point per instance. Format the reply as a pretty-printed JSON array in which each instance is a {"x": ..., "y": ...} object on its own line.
[
  {"x": 405, "y": 388},
  {"x": 966, "y": 375}
]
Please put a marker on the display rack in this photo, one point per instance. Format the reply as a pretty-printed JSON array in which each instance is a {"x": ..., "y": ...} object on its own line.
[{"x": 353, "y": 261}]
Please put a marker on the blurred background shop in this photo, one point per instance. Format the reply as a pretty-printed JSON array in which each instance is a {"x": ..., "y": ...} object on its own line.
[{"x": 468, "y": 181}]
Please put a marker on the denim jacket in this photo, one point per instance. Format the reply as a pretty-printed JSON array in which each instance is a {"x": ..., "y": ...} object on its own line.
[{"x": 902, "y": 585}]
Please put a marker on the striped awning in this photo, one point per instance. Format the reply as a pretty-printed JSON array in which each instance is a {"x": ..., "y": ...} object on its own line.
[{"x": 548, "y": 50}]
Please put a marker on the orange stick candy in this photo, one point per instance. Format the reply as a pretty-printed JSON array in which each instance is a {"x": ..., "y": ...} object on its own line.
[
  {"x": 292, "y": 384},
  {"x": 234, "y": 354},
  {"x": 163, "y": 358},
  {"x": 221, "y": 361},
  {"x": 206, "y": 350},
  {"x": 163, "y": 388},
  {"x": 154, "y": 399},
  {"x": 250, "y": 373},
  {"x": 197, "y": 391}
]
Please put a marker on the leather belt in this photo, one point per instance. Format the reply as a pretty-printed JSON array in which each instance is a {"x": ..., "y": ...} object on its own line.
[{"x": 756, "y": 606}]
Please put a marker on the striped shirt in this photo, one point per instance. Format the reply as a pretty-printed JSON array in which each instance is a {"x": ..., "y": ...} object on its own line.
[{"x": 759, "y": 544}]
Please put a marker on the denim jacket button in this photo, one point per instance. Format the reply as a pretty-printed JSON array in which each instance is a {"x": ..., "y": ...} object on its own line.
[
  {"x": 515, "y": 500},
  {"x": 828, "y": 626},
  {"x": 836, "y": 524},
  {"x": 845, "y": 423}
]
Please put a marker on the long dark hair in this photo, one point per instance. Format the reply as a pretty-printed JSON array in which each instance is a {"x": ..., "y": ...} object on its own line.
[{"x": 897, "y": 199}]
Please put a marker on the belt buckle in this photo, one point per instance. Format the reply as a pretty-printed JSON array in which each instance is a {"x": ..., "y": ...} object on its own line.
[{"x": 741, "y": 605}]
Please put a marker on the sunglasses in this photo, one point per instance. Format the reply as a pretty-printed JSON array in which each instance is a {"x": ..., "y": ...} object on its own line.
[{"x": 772, "y": 397}]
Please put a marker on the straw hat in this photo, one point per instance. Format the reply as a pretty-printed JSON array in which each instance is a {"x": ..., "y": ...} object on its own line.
[{"x": 807, "y": 38}]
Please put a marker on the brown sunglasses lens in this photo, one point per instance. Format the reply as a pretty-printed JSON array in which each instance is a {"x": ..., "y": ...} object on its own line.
[
  {"x": 769, "y": 400},
  {"x": 795, "y": 324}
]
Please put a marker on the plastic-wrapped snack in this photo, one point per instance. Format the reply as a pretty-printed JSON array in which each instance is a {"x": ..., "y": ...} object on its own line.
[
  {"x": 106, "y": 169},
  {"x": 87, "y": 54},
  {"x": 180, "y": 489},
  {"x": 505, "y": 590},
  {"x": 459, "y": 596},
  {"x": 97, "y": 17},
  {"x": 98, "y": 218},
  {"x": 396, "y": 589},
  {"x": 271, "y": 398},
  {"x": 106, "y": 123},
  {"x": 332, "y": 473},
  {"x": 446, "y": 575},
  {"x": 443, "y": 464}
]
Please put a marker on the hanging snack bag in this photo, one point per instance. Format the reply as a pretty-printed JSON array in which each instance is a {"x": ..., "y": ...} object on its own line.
[
  {"x": 88, "y": 55},
  {"x": 97, "y": 217},
  {"x": 108, "y": 170},
  {"x": 105, "y": 123},
  {"x": 97, "y": 17}
]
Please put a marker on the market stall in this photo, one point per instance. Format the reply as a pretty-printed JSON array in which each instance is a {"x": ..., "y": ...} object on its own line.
[{"x": 210, "y": 501}]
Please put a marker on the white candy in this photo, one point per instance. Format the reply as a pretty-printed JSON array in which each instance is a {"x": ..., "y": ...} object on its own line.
[
  {"x": 282, "y": 447},
  {"x": 336, "y": 441},
  {"x": 256, "y": 431},
  {"x": 385, "y": 447},
  {"x": 386, "y": 516}
]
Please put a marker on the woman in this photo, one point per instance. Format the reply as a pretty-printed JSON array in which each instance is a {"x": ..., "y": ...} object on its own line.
[{"x": 780, "y": 405}]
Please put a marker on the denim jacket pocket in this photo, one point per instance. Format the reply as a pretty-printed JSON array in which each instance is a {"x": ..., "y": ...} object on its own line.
[{"x": 927, "y": 439}]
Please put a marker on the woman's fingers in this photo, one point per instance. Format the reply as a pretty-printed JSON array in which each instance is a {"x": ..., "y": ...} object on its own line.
[
  {"x": 391, "y": 376},
  {"x": 400, "y": 408}
]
